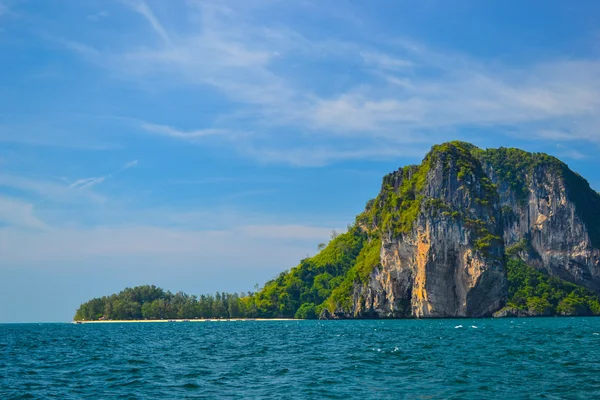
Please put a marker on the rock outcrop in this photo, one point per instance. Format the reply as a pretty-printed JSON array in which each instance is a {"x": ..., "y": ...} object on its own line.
[
  {"x": 447, "y": 225},
  {"x": 511, "y": 312}
]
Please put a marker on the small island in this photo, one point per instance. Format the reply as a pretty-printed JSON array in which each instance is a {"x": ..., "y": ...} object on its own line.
[{"x": 468, "y": 233}]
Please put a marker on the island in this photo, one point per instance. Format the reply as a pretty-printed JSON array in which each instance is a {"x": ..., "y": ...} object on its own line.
[{"x": 467, "y": 233}]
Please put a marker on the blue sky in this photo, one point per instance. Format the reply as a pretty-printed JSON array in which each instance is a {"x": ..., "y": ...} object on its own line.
[{"x": 208, "y": 145}]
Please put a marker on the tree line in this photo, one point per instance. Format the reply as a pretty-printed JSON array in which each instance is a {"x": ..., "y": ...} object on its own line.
[
  {"x": 299, "y": 293},
  {"x": 151, "y": 302}
]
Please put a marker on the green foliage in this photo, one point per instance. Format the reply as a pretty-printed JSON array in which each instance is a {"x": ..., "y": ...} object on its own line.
[
  {"x": 150, "y": 302},
  {"x": 522, "y": 246},
  {"x": 484, "y": 238},
  {"x": 485, "y": 242},
  {"x": 306, "y": 311},
  {"x": 534, "y": 291},
  {"x": 459, "y": 153},
  {"x": 313, "y": 281},
  {"x": 397, "y": 206},
  {"x": 367, "y": 261}
]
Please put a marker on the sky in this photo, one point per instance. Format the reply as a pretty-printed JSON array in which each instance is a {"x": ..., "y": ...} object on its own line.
[{"x": 204, "y": 145}]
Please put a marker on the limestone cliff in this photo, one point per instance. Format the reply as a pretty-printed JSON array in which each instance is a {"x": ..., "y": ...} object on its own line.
[{"x": 446, "y": 226}]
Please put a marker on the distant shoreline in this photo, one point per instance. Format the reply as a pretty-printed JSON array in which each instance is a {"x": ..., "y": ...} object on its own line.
[{"x": 128, "y": 321}]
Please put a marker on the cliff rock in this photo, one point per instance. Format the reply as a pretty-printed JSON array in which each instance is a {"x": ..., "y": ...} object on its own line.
[{"x": 447, "y": 226}]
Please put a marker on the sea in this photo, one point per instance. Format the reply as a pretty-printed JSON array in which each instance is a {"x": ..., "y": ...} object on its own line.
[{"x": 529, "y": 358}]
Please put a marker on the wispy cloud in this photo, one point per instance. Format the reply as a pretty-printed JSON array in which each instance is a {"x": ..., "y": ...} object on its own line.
[
  {"x": 71, "y": 243},
  {"x": 166, "y": 130},
  {"x": 3, "y": 8},
  {"x": 385, "y": 62},
  {"x": 566, "y": 152},
  {"x": 50, "y": 190},
  {"x": 20, "y": 214},
  {"x": 35, "y": 191},
  {"x": 203, "y": 181},
  {"x": 320, "y": 156},
  {"x": 248, "y": 193},
  {"x": 99, "y": 15},
  {"x": 86, "y": 183},
  {"x": 142, "y": 8},
  {"x": 130, "y": 164},
  {"x": 399, "y": 91},
  {"x": 44, "y": 135}
]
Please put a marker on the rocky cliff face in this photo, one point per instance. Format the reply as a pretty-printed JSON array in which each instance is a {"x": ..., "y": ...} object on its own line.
[
  {"x": 445, "y": 228},
  {"x": 545, "y": 223}
]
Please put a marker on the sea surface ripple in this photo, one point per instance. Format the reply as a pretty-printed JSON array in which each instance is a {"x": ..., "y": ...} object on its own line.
[{"x": 551, "y": 358}]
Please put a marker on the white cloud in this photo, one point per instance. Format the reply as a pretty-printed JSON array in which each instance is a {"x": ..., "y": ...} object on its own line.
[
  {"x": 92, "y": 182},
  {"x": 403, "y": 92},
  {"x": 243, "y": 243},
  {"x": 566, "y": 152},
  {"x": 320, "y": 156},
  {"x": 50, "y": 189},
  {"x": 81, "y": 183},
  {"x": 18, "y": 213},
  {"x": 469, "y": 96},
  {"x": 361, "y": 113},
  {"x": 574, "y": 154},
  {"x": 38, "y": 131},
  {"x": 87, "y": 183},
  {"x": 3, "y": 8},
  {"x": 554, "y": 134},
  {"x": 287, "y": 232},
  {"x": 385, "y": 61},
  {"x": 99, "y": 15},
  {"x": 142, "y": 8},
  {"x": 61, "y": 191},
  {"x": 180, "y": 134},
  {"x": 130, "y": 164}
]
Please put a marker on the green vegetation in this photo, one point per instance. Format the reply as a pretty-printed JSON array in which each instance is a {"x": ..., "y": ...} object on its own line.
[
  {"x": 541, "y": 294},
  {"x": 342, "y": 296},
  {"x": 302, "y": 291},
  {"x": 469, "y": 170},
  {"x": 397, "y": 207},
  {"x": 151, "y": 302}
]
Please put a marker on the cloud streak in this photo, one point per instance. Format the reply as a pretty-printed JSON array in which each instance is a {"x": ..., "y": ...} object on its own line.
[
  {"x": 130, "y": 164},
  {"x": 3, "y": 8},
  {"x": 170, "y": 131},
  {"x": 399, "y": 92},
  {"x": 68, "y": 243},
  {"x": 20, "y": 214},
  {"x": 50, "y": 190},
  {"x": 86, "y": 183},
  {"x": 141, "y": 7}
]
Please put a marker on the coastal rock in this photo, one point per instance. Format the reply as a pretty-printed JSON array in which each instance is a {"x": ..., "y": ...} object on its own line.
[
  {"x": 511, "y": 312},
  {"x": 550, "y": 222},
  {"x": 471, "y": 207}
]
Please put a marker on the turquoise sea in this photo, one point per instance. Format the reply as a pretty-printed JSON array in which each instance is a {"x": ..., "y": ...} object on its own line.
[{"x": 551, "y": 358}]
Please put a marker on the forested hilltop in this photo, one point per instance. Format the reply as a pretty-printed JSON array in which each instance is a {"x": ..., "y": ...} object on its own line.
[{"x": 467, "y": 233}]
